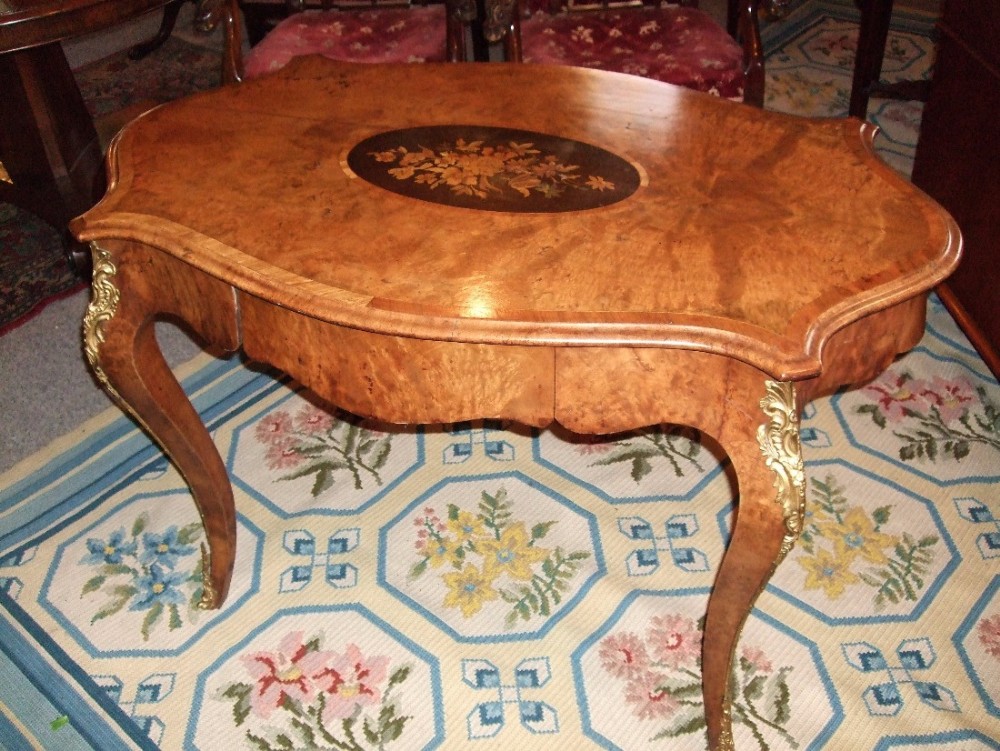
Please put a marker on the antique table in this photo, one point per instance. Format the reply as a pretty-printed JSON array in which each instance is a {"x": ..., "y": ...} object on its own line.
[
  {"x": 48, "y": 144},
  {"x": 435, "y": 243}
]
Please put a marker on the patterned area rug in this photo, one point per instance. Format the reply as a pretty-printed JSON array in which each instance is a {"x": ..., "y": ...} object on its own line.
[
  {"x": 810, "y": 59},
  {"x": 33, "y": 266},
  {"x": 483, "y": 586}
]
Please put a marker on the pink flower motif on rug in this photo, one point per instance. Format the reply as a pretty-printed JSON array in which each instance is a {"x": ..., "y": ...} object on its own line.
[
  {"x": 304, "y": 692},
  {"x": 313, "y": 442},
  {"x": 940, "y": 418},
  {"x": 989, "y": 635},
  {"x": 675, "y": 641},
  {"x": 660, "y": 677},
  {"x": 291, "y": 673}
]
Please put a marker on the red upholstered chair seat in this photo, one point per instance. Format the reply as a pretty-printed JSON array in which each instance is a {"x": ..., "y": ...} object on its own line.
[
  {"x": 679, "y": 45},
  {"x": 399, "y": 34}
]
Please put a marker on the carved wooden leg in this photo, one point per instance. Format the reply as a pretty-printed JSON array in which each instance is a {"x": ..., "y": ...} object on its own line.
[
  {"x": 766, "y": 525},
  {"x": 129, "y": 289}
]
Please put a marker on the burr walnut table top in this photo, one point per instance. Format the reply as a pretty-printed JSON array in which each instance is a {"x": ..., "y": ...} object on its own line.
[
  {"x": 433, "y": 243},
  {"x": 752, "y": 234}
]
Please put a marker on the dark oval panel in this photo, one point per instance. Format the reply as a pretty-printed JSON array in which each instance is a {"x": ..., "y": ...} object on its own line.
[{"x": 493, "y": 169}]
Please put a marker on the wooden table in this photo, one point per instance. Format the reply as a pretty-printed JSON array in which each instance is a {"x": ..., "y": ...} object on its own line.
[
  {"x": 48, "y": 143},
  {"x": 533, "y": 243}
]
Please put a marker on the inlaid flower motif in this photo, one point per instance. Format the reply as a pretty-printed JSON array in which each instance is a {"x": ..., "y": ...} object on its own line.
[{"x": 479, "y": 169}]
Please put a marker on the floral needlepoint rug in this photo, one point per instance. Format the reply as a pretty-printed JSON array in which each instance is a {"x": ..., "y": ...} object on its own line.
[
  {"x": 480, "y": 585},
  {"x": 485, "y": 586}
]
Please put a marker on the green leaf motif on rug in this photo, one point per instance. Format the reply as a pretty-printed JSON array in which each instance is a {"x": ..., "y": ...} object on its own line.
[
  {"x": 659, "y": 674},
  {"x": 490, "y": 555},
  {"x": 676, "y": 446},
  {"x": 301, "y": 696},
  {"x": 845, "y": 546},
  {"x": 314, "y": 443},
  {"x": 936, "y": 419},
  {"x": 144, "y": 571}
]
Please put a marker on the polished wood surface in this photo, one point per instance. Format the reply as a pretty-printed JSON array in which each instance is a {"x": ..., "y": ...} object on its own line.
[{"x": 761, "y": 256}]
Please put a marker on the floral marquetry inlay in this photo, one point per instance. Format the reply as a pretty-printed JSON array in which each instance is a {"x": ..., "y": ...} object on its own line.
[{"x": 494, "y": 169}]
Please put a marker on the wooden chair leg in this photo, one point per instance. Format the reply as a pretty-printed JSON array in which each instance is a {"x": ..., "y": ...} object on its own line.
[
  {"x": 872, "y": 36},
  {"x": 170, "y": 14}
]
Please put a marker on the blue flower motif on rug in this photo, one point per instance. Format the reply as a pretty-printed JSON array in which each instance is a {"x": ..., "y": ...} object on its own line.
[{"x": 131, "y": 581}]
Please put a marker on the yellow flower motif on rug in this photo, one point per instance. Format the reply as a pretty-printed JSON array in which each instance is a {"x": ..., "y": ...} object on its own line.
[
  {"x": 845, "y": 545},
  {"x": 494, "y": 556},
  {"x": 828, "y": 572},
  {"x": 855, "y": 536}
]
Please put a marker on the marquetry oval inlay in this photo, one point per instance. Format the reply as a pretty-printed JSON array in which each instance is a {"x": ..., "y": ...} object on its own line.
[{"x": 493, "y": 169}]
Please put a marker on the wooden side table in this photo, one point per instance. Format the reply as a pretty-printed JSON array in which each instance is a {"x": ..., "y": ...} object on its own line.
[
  {"x": 48, "y": 144},
  {"x": 532, "y": 243}
]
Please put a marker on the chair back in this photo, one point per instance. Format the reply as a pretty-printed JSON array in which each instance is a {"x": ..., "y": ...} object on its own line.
[{"x": 653, "y": 24}]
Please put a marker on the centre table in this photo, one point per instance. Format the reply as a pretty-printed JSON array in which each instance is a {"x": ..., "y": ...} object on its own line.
[{"x": 437, "y": 243}]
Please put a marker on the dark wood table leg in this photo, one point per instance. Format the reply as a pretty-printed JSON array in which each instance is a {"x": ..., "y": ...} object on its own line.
[
  {"x": 133, "y": 286},
  {"x": 48, "y": 144}
]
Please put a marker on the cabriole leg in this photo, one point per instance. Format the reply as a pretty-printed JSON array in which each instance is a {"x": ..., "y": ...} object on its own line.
[
  {"x": 766, "y": 525},
  {"x": 130, "y": 288}
]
